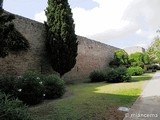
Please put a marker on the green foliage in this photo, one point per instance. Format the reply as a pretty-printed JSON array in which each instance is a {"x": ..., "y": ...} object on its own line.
[
  {"x": 153, "y": 67},
  {"x": 117, "y": 75},
  {"x": 121, "y": 57},
  {"x": 13, "y": 109},
  {"x": 139, "y": 64},
  {"x": 114, "y": 63},
  {"x": 11, "y": 39},
  {"x": 146, "y": 59},
  {"x": 135, "y": 71},
  {"x": 97, "y": 76},
  {"x": 139, "y": 59},
  {"x": 7, "y": 84},
  {"x": 154, "y": 50},
  {"x": 30, "y": 88},
  {"x": 61, "y": 39},
  {"x": 54, "y": 86},
  {"x": 136, "y": 57}
]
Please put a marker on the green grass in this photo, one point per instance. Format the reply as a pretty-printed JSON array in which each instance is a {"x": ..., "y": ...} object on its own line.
[{"x": 90, "y": 101}]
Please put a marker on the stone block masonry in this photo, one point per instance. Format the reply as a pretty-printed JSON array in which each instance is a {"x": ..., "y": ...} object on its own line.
[{"x": 92, "y": 55}]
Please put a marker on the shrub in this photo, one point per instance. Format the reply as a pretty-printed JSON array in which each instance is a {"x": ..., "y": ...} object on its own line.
[
  {"x": 54, "y": 86},
  {"x": 154, "y": 70},
  {"x": 30, "y": 88},
  {"x": 139, "y": 64},
  {"x": 155, "y": 67},
  {"x": 158, "y": 68},
  {"x": 7, "y": 84},
  {"x": 97, "y": 76},
  {"x": 12, "y": 109},
  {"x": 135, "y": 71},
  {"x": 117, "y": 75}
]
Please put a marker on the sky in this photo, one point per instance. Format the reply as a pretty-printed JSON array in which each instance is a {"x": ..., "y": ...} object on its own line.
[{"x": 120, "y": 23}]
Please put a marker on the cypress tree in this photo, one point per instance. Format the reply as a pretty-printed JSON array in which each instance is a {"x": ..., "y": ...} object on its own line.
[{"x": 61, "y": 39}]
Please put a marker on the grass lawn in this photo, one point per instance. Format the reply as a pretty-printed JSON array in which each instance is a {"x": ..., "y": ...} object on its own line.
[{"x": 91, "y": 101}]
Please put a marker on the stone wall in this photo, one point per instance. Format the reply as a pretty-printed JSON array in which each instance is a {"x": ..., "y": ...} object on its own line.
[{"x": 92, "y": 55}]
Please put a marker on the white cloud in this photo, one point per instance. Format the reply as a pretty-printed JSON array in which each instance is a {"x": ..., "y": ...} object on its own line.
[
  {"x": 40, "y": 16},
  {"x": 117, "y": 19},
  {"x": 105, "y": 17}
]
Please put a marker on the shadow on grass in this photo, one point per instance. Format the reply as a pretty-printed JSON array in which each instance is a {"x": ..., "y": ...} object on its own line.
[
  {"x": 86, "y": 103},
  {"x": 91, "y": 101}
]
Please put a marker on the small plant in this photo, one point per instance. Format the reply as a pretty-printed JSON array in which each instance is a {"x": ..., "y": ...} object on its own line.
[
  {"x": 135, "y": 71},
  {"x": 97, "y": 76},
  {"x": 7, "y": 84},
  {"x": 12, "y": 109},
  {"x": 54, "y": 86},
  {"x": 30, "y": 88},
  {"x": 117, "y": 75}
]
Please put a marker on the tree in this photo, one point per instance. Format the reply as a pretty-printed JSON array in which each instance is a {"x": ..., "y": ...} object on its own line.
[
  {"x": 11, "y": 39},
  {"x": 154, "y": 50},
  {"x": 61, "y": 39},
  {"x": 139, "y": 59},
  {"x": 120, "y": 58},
  {"x": 146, "y": 59},
  {"x": 136, "y": 57}
]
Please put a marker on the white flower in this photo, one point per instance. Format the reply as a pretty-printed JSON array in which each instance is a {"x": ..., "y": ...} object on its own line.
[
  {"x": 44, "y": 95},
  {"x": 40, "y": 83},
  {"x": 19, "y": 90},
  {"x": 38, "y": 78},
  {"x": 19, "y": 77}
]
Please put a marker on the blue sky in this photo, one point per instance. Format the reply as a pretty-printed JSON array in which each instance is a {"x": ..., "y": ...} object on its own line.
[{"x": 121, "y": 23}]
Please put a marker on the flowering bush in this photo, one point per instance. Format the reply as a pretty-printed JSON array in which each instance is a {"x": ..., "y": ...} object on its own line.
[
  {"x": 30, "y": 88},
  {"x": 54, "y": 86}
]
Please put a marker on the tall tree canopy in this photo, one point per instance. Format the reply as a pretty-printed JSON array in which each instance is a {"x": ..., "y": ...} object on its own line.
[
  {"x": 61, "y": 39},
  {"x": 120, "y": 58},
  {"x": 154, "y": 50},
  {"x": 139, "y": 59}
]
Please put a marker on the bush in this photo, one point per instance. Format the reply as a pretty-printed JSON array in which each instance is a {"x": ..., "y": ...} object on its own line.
[
  {"x": 139, "y": 64},
  {"x": 155, "y": 67},
  {"x": 158, "y": 68},
  {"x": 54, "y": 86},
  {"x": 154, "y": 70},
  {"x": 30, "y": 88},
  {"x": 12, "y": 109},
  {"x": 117, "y": 75},
  {"x": 97, "y": 76},
  {"x": 135, "y": 71},
  {"x": 7, "y": 84}
]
